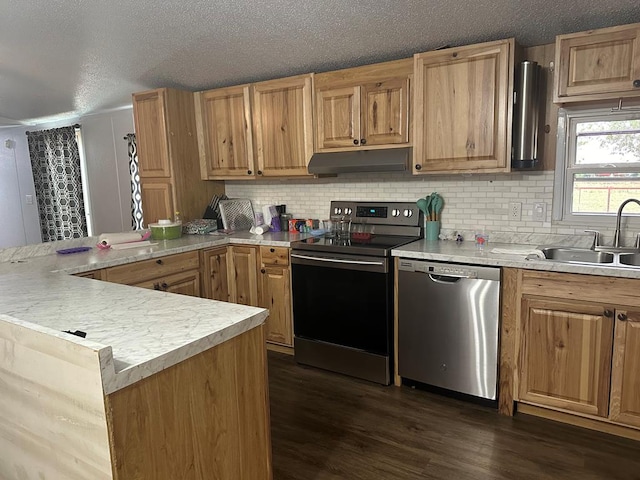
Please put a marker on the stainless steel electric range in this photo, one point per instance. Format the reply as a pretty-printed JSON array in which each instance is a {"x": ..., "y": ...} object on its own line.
[{"x": 343, "y": 290}]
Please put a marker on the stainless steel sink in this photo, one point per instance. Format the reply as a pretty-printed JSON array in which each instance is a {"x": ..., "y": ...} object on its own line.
[
  {"x": 632, "y": 259},
  {"x": 582, "y": 255}
]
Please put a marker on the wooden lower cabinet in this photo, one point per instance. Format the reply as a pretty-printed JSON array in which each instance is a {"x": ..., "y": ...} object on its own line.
[
  {"x": 244, "y": 275},
  {"x": 571, "y": 343},
  {"x": 565, "y": 355},
  {"x": 216, "y": 274},
  {"x": 275, "y": 294},
  {"x": 185, "y": 283},
  {"x": 625, "y": 381},
  {"x": 204, "y": 418},
  {"x": 94, "y": 274}
]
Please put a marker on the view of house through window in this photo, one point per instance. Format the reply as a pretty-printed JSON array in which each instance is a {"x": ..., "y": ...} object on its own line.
[{"x": 602, "y": 163}]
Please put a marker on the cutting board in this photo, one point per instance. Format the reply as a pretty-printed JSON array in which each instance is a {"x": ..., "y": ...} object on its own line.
[{"x": 237, "y": 214}]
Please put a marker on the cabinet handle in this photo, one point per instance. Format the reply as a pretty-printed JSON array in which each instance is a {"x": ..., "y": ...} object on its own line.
[
  {"x": 159, "y": 261},
  {"x": 636, "y": 83},
  {"x": 164, "y": 285},
  {"x": 272, "y": 250},
  {"x": 262, "y": 270},
  {"x": 418, "y": 167},
  {"x": 622, "y": 317},
  {"x": 156, "y": 286},
  {"x": 363, "y": 141},
  {"x": 249, "y": 172},
  {"x": 608, "y": 313},
  {"x": 355, "y": 141},
  {"x": 259, "y": 172}
]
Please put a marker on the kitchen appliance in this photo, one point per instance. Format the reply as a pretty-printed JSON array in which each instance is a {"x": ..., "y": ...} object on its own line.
[
  {"x": 385, "y": 160},
  {"x": 448, "y": 326},
  {"x": 525, "y": 119},
  {"x": 343, "y": 290}
]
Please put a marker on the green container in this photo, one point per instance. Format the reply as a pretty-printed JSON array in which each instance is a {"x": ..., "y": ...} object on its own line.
[{"x": 166, "y": 230}]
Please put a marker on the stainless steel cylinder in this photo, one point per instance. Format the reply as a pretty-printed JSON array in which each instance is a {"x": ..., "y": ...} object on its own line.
[{"x": 525, "y": 121}]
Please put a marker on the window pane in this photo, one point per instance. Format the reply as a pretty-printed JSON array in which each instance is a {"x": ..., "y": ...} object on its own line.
[
  {"x": 603, "y": 193},
  {"x": 608, "y": 142}
]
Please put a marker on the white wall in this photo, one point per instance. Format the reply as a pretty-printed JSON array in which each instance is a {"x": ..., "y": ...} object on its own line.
[{"x": 107, "y": 170}]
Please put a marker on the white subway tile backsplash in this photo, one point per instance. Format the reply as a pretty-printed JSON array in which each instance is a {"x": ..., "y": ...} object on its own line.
[{"x": 470, "y": 201}]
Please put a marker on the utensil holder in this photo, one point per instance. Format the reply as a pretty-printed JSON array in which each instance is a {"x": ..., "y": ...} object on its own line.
[{"x": 431, "y": 230}]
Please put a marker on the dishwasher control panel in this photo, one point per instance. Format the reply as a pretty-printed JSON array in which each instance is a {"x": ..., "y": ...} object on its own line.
[{"x": 448, "y": 269}]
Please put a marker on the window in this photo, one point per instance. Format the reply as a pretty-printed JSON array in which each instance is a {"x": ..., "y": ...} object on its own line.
[{"x": 598, "y": 164}]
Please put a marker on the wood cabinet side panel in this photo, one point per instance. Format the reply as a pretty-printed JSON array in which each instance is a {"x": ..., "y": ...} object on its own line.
[
  {"x": 509, "y": 315},
  {"x": 204, "y": 418},
  {"x": 52, "y": 417}
]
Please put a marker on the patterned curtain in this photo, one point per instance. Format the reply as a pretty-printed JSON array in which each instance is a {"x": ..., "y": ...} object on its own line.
[
  {"x": 136, "y": 197},
  {"x": 55, "y": 163}
]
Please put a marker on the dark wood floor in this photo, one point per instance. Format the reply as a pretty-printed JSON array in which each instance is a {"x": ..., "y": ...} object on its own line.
[{"x": 328, "y": 426}]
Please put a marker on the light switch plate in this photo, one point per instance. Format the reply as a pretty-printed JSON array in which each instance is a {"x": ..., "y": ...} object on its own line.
[{"x": 539, "y": 212}]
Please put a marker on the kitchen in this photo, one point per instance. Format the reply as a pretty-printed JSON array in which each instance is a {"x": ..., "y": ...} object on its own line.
[{"x": 484, "y": 197}]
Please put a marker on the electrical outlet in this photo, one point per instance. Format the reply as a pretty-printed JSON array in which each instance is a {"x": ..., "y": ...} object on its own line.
[
  {"x": 515, "y": 211},
  {"x": 539, "y": 213},
  {"x": 29, "y": 199}
]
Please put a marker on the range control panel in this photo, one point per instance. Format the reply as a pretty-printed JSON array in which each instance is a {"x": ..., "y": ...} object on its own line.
[{"x": 379, "y": 213}]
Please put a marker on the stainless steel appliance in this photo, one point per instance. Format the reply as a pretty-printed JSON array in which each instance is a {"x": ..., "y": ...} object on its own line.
[
  {"x": 343, "y": 290},
  {"x": 448, "y": 326}
]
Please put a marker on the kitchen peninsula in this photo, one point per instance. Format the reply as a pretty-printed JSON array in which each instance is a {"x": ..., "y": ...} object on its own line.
[{"x": 163, "y": 386}]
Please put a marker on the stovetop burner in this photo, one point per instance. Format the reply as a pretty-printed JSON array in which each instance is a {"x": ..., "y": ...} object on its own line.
[{"x": 379, "y": 245}]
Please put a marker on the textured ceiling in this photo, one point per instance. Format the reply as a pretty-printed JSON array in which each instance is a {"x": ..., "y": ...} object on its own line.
[{"x": 70, "y": 57}]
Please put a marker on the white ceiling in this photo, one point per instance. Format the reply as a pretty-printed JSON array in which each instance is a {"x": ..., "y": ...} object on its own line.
[{"x": 70, "y": 57}]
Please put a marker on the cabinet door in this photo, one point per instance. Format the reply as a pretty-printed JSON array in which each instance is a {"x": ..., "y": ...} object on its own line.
[
  {"x": 565, "y": 355},
  {"x": 625, "y": 380},
  {"x": 225, "y": 141},
  {"x": 598, "y": 64},
  {"x": 149, "y": 112},
  {"x": 275, "y": 294},
  {"x": 184, "y": 283},
  {"x": 216, "y": 274},
  {"x": 157, "y": 200},
  {"x": 337, "y": 118},
  {"x": 244, "y": 282},
  {"x": 283, "y": 125},
  {"x": 463, "y": 108},
  {"x": 385, "y": 112}
]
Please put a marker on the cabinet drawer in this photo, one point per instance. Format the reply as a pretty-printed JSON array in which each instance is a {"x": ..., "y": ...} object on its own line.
[
  {"x": 147, "y": 269},
  {"x": 184, "y": 283},
  {"x": 274, "y": 255}
]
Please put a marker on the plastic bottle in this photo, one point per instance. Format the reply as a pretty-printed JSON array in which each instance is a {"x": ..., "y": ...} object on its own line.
[{"x": 177, "y": 218}]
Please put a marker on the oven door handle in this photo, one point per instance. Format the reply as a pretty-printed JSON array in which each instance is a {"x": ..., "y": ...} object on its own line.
[{"x": 336, "y": 260}]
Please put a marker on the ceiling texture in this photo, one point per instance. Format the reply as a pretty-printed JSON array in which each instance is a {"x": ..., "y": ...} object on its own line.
[{"x": 67, "y": 58}]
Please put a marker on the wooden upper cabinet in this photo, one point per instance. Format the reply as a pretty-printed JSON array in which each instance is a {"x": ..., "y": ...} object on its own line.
[
  {"x": 157, "y": 200},
  {"x": 565, "y": 355},
  {"x": 463, "y": 108},
  {"x": 363, "y": 107},
  {"x": 225, "y": 139},
  {"x": 149, "y": 111},
  {"x": 625, "y": 381},
  {"x": 283, "y": 125},
  {"x": 598, "y": 64}
]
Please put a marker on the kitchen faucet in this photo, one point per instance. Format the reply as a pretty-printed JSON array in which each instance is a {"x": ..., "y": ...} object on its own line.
[{"x": 616, "y": 235}]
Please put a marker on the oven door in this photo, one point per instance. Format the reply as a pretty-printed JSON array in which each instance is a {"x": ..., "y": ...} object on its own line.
[{"x": 344, "y": 300}]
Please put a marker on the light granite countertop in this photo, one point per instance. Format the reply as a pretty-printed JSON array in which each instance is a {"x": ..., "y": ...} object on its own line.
[
  {"x": 143, "y": 331},
  {"x": 466, "y": 253}
]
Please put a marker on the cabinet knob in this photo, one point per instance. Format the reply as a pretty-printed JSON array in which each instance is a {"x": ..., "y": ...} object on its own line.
[
  {"x": 249, "y": 172},
  {"x": 355, "y": 141},
  {"x": 259, "y": 172},
  {"x": 418, "y": 167},
  {"x": 608, "y": 313},
  {"x": 164, "y": 285},
  {"x": 262, "y": 270},
  {"x": 636, "y": 83},
  {"x": 156, "y": 286},
  {"x": 622, "y": 317},
  {"x": 272, "y": 250},
  {"x": 159, "y": 261},
  {"x": 363, "y": 141}
]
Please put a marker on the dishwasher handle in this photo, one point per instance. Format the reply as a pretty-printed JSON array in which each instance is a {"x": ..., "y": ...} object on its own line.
[{"x": 447, "y": 279}]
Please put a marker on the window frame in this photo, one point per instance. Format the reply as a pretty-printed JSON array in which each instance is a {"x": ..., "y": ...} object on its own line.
[{"x": 568, "y": 118}]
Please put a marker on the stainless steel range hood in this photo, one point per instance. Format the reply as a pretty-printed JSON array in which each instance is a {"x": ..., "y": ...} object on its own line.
[{"x": 388, "y": 160}]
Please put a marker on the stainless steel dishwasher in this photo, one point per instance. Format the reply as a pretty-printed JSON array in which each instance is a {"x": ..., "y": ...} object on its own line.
[{"x": 448, "y": 326}]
